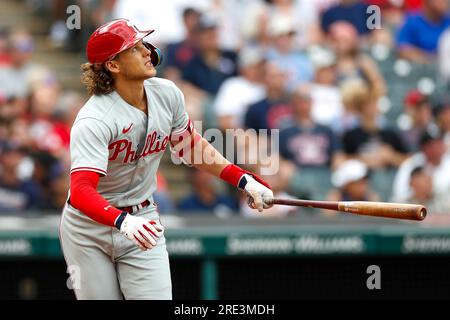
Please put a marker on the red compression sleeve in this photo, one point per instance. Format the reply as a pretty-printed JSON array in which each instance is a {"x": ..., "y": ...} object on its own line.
[{"x": 84, "y": 197}]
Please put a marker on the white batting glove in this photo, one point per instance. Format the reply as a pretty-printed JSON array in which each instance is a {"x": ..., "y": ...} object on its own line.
[
  {"x": 144, "y": 233},
  {"x": 259, "y": 196}
]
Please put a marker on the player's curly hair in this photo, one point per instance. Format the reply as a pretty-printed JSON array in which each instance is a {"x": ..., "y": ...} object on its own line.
[{"x": 97, "y": 79}]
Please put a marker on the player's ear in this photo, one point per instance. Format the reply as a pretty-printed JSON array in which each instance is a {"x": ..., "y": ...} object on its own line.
[{"x": 112, "y": 66}]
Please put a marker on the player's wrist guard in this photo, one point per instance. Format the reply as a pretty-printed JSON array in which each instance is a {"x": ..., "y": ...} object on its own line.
[
  {"x": 259, "y": 194},
  {"x": 235, "y": 176},
  {"x": 119, "y": 220}
]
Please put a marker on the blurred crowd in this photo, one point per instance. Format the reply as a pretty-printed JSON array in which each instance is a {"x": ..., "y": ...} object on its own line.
[{"x": 357, "y": 92}]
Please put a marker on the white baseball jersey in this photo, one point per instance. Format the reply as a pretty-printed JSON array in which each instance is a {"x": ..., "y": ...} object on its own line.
[{"x": 120, "y": 142}]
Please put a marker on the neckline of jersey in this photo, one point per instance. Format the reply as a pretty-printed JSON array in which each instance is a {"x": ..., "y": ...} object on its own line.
[{"x": 135, "y": 108}]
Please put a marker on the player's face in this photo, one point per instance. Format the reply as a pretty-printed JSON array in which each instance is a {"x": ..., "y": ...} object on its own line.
[{"x": 135, "y": 63}]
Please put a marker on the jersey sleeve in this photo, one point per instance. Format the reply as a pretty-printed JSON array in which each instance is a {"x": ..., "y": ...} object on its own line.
[{"x": 89, "y": 139}]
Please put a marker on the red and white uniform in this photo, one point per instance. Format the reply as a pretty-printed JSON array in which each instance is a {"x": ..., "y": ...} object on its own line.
[{"x": 123, "y": 145}]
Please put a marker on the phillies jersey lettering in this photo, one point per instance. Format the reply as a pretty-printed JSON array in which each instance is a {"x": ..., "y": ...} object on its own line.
[
  {"x": 153, "y": 144},
  {"x": 123, "y": 144}
]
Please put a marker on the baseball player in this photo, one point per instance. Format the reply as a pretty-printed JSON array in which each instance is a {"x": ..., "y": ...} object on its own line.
[{"x": 110, "y": 232}]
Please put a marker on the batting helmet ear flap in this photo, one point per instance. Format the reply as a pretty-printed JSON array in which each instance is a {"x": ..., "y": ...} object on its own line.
[{"x": 155, "y": 55}]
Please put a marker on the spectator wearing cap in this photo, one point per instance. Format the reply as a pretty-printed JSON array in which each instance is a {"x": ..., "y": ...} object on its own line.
[
  {"x": 327, "y": 108},
  {"x": 236, "y": 94},
  {"x": 211, "y": 65},
  {"x": 306, "y": 143},
  {"x": 435, "y": 161},
  {"x": 441, "y": 113},
  {"x": 179, "y": 54},
  {"x": 418, "y": 108},
  {"x": 370, "y": 142},
  {"x": 294, "y": 63},
  {"x": 17, "y": 191},
  {"x": 351, "y": 182},
  {"x": 418, "y": 38}
]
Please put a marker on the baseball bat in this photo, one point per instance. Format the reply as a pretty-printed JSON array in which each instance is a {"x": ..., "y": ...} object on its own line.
[{"x": 366, "y": 208}]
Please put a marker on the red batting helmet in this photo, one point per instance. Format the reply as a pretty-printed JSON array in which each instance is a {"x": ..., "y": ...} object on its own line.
[{"x": 112, "y": 38}]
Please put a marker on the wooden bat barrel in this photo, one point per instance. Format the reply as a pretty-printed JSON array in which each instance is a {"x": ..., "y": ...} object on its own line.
[{"x": 368, "y": 208}]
